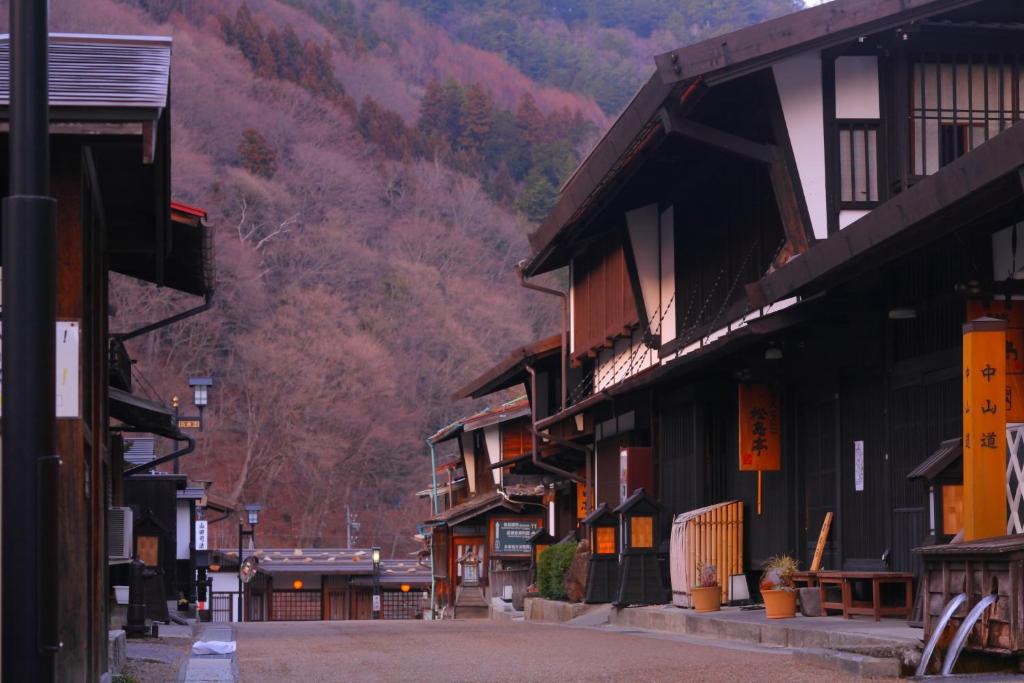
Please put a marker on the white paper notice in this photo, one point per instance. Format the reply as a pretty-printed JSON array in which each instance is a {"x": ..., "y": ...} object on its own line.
[
  {"x": 67, "y": 369},
  {"x": 858, "y": 465}
]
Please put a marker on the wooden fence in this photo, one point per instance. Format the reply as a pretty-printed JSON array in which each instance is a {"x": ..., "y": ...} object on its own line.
[{"x": 711, "y": 535}]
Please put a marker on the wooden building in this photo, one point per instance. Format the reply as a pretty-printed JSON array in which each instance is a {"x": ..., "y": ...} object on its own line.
[
  {"x": 499, "y": 495},
  {"x": 319, "y": 584},
  {"x": 110, "y": 174},
  {"x": 772, "y": 254}
]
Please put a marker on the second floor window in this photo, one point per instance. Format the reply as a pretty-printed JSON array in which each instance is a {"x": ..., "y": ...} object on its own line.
[
  {"x": 858, "y": 164},
  {"x": 958, "y": 103}
]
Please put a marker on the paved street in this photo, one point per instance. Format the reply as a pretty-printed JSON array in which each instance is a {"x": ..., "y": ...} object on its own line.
[{"x": 485, "y": 650}]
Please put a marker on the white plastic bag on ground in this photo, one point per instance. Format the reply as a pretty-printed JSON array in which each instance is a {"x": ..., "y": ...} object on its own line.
[{"x": 213, "y": 647}]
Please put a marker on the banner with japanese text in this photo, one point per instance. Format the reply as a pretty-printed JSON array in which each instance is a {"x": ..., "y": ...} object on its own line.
[{"x": 760, "y": 434}]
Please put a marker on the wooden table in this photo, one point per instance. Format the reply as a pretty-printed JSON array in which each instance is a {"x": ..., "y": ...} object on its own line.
[
  {"x": 845, "y": 580},
  {"x": 809, "y": 579}
]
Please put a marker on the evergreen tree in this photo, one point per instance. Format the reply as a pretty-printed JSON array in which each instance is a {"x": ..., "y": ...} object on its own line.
[
  {"x": 530, "y": 120},
  {"x": 257, "y": 156},
  {"x": 476, "y": 119},
  {"x": 266, "y": 65},
  {"x": 538, "y": 196},
  {"x": 432, "y": 115},
  {"x": 246, "y": 33}
]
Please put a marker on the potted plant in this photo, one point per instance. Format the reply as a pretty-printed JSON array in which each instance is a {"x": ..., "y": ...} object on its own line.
[
  {"x": 777, "y": 587},
  {"x": 706, "y": 593}
]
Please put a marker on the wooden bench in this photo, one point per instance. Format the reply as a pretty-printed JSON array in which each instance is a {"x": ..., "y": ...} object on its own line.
[
  {"x": 844, "y": 580},
  {"x": 808, "y": 579}
]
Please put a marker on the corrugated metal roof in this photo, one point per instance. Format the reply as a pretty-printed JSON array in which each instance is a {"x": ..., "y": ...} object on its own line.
[
  {"x": 517, "y": 407},
  {"x": 348, "y": 561},
  {"x": 140, "y": 449},
  {"x": 99, "y": 71}
]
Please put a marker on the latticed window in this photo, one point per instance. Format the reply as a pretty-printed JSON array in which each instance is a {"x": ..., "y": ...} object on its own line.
[
  {"x": 301, "y": 605},
  {"x": 858, "y": 163},
  {"x": 958, "y": 103},
  {"x": 399, "y": 605}
]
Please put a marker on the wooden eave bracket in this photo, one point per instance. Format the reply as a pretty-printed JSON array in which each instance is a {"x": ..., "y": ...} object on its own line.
[{"x": 675, "y": 124}]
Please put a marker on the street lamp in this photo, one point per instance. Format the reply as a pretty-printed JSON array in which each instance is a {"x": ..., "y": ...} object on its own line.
[
  {"x": 252, "y": 512},
  {"x": 375, "y": 556}
]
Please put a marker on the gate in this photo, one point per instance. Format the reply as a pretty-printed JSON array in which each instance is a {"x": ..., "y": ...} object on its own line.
[{"x": 221, "y": 606}]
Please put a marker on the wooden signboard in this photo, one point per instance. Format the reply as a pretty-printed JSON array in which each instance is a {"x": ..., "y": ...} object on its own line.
[
  {"x": 819, "y": 550},
  {"x": 759, "y": 418},
  {"x": 511, "y": 535},
  {"x": 1012, "y": 311},
  {"x": 984, "y": 428}
]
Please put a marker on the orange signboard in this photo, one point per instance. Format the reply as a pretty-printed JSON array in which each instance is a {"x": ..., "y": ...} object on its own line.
[
  {"x": 760, "y": 417},
  {"x": 1012, "y": 311},
  {"x": 984, "y": 435}
]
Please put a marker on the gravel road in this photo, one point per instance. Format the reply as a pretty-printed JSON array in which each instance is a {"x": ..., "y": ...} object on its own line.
[{"x": 484, "y": 650}]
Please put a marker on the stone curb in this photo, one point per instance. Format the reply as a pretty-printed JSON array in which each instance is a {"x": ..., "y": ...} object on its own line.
[{"x": 211, "y": 668}]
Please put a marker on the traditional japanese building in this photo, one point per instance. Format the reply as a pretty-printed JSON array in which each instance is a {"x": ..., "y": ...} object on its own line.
[
  {"x": 110, "y": 175},
  {"x": 772, "y": 256}
]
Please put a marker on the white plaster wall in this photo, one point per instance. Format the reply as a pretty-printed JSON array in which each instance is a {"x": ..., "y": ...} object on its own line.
[
  {"x": 226, "y": 582},
  {"x": 629, "y": 357},
  {"x": 668, "y": 274},
  {"x": 642, "y": 225},
  {"x": 849, "y": 216},
  {"x": 857, "y": 87},
  {"x": 184, "y": 531},
  {"x": 470, "y": 461},
  {"x": 799, "y": 82},
  {"x": 492, "y": 439},
  {"x": 572, "y": 313}
]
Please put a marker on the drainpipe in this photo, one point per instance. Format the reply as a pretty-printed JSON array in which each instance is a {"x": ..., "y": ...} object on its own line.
[
  {"x": 433, "y": 473},
  {"x": 587, "y": 452},
  {"x": 190, "y": 445},
  {"x": 565, "y": 327},
  {"x": 535, "y": 456},
  {"x": 31, "y": 467}
]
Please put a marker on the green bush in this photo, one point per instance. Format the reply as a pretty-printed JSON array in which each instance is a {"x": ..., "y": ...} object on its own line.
[{"x": 551, "y": 568}]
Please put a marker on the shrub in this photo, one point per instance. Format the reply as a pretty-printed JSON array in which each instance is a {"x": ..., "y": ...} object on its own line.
[{"x": 551, "y": 569}]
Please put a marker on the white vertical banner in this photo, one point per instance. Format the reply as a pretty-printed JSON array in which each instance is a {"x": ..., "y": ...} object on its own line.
[
  {"x": 858, "y": 465},
  {"x": 201, "y": 537},
  {"x": 67, "y": 395}
]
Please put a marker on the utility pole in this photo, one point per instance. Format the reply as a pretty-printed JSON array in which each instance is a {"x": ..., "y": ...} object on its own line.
[{"x": 30, "y": 465}]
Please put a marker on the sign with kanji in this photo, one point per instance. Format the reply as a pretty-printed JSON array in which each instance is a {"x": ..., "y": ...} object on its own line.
[
  {"x": 760, "y": 419},
  {"x": 1012, "y": 311},
  {"x": 201, "y": 538},
  {"x": 984, "y": 434}
]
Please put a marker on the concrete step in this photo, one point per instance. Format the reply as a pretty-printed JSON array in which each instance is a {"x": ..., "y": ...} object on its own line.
[{"x": 472, "y": 612}]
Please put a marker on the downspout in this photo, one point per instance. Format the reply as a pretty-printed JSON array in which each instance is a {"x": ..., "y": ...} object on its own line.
[
  {"x": 535, "y": 456},
  {"x": 433, "y": 580},
  {"x": 565, "y": 327},
  {"x": 587, "y": 452},
  {"x": 433, "y": 473},
  {"x": 190, "y": 446},
  {"x": 201, "y": 308}
]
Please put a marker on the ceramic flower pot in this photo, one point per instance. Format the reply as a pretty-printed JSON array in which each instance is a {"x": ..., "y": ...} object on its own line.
[
  {"x": 707, "y": 599},
  {"x": 779, "y": 604}
]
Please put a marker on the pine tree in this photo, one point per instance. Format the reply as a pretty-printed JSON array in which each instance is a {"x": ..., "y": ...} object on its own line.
[
  {"x": 246, "y": 33},
  {"x": 477, "y": 117},
  {"x": 257, "y": 156},
  {"x": 530, "y": 120},
  {"x": 266, "y": 65},
  {"x": 538, "y": 196},
  {"x": 431, "y": 120}
]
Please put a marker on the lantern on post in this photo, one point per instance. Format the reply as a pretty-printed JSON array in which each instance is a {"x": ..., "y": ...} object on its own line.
[
  {"x": 640, "y": 576},
  {"x": 603, "y": 571}
]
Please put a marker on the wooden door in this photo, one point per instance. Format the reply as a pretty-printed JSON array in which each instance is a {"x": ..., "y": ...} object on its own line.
[
  {"x": 472, "y": 573},
  {"x": 816, "y": 443},
  {"x": 361, "y": 603},
  {"x": 336, "y": 604}
]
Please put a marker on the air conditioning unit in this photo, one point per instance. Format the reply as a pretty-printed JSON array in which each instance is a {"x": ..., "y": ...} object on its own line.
[{"x": 119, "y": 535}]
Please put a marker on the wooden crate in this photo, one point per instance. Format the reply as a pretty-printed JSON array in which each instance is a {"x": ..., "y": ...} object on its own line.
[{"x": 977, "y": 568}]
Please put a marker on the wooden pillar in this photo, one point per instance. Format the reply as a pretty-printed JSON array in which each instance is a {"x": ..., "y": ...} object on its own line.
[{"x": 984, "y": 432}]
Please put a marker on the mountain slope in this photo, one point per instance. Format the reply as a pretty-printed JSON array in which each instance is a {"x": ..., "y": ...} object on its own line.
[{"x": 366, "y": 168}]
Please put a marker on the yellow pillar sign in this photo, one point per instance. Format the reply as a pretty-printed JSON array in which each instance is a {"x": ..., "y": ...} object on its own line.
[{"x": 984, "y": 436}]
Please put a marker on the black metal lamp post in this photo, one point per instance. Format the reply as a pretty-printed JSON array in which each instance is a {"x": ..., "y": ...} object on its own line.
[
  {"x": 30, "y": 465},
  {"x": 252, "y": 512},
  {"x": 375, "y": 556}
]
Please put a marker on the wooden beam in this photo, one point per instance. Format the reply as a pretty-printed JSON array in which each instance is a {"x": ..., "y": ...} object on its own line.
[{"x": 729, "y": 143}]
